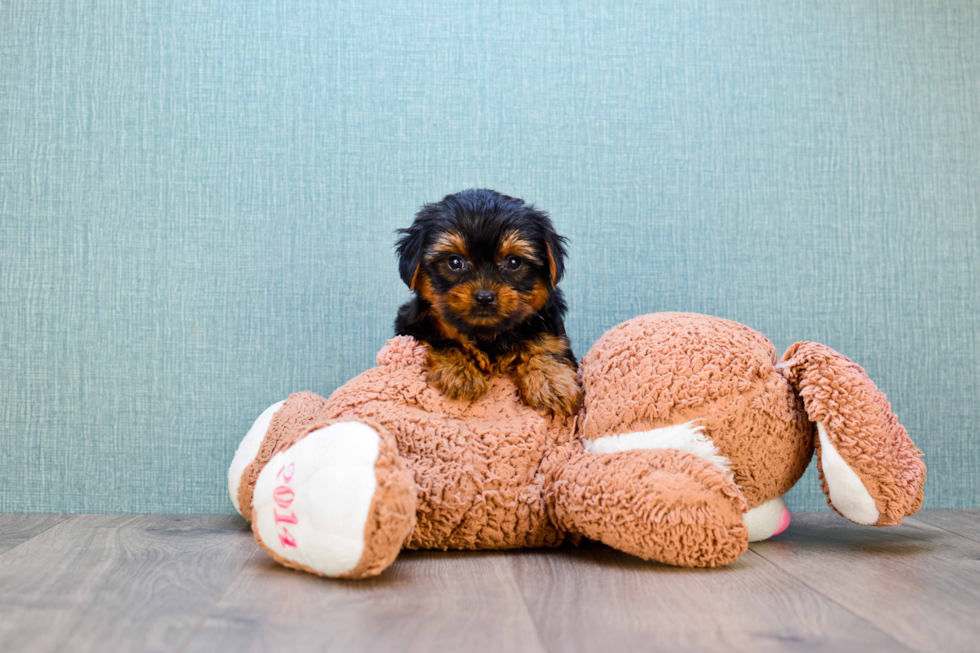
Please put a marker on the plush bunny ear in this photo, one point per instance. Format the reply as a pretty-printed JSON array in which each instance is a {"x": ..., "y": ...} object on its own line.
[{"x": 870, "y": 470}]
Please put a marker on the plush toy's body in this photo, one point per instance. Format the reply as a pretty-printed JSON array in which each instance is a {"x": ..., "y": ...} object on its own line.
[{"x": 690, "y": 434}]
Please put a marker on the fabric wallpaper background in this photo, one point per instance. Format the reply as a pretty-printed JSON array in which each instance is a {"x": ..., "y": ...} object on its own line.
[{"x": 198, "y": 204}]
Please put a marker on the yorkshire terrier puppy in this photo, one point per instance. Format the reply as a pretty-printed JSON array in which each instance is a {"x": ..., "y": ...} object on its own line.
[{"x": 484, "y": 268}]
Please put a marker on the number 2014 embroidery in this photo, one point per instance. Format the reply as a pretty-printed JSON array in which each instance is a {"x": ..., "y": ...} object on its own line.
[{"x": 283, "y": 496}]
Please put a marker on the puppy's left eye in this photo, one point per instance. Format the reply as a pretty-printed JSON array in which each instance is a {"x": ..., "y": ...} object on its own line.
[{"x": 512, "y": 263}]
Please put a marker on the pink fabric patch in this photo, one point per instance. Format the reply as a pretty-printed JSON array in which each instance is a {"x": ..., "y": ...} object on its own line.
[{"x": 783, "y": 522}]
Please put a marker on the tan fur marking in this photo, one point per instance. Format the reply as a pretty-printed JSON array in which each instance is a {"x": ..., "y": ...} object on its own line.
[
  {"x": 551, "y": 266},
  {"x": 548, "y": 344},
  {"x": 455, "y": 374},
  {"x": 459, "y": 298},
  {"x": 449, "y": 242},
  {"x": 538, "y": 297},
  {"x": 513, "y": 244},
  {"x": 430, "y": 295},
  {"x": 544, "y": 379},
  {"x": 448, "y": 331},
  {"x": 459, "y": 301},
  {"x": 415, "y": 276}
]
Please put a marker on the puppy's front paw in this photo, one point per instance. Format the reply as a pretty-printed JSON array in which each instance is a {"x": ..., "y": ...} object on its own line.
[
  {"x": 543, "y": 382},
  {"x": 455, "y": 375}
]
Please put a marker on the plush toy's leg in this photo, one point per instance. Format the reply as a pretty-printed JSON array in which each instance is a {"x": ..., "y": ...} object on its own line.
[
  {"x": 338, "y": 501},
  {"x": 247, "y": 451},
  {"x": 871, "y": 471},
  {"x": 278, "y": 425},
  {"x": 658, "y": 504},
  {"x": 771, "y": 518}
]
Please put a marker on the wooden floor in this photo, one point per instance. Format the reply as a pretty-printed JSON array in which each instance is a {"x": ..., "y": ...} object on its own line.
[{"x": 199, "y": 583}]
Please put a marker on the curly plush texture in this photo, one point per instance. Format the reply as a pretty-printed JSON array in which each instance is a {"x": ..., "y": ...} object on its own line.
[
  {"x": 663, "y": 369},
  {"x": 392, "y": 516},
  {"x": 480, "y": 467},
  {"x": 861, "y": 426},
  {"x": 494, "y": 474},
  {"x": 662, "y": 505}
]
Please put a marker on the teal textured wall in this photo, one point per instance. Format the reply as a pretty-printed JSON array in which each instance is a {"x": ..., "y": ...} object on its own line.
[{"x": 197, "y": 204}]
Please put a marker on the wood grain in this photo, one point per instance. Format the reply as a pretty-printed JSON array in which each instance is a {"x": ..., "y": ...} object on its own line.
[
  {"x": 199, "y": 583},
  {"x": 17, "y": 529},
  {"x": 427, "y": 601},
  {"x": 919, "y": 583},
  {"x": 117, "y": 583},
  {"x": 594, "y": 598},
  {"x": 961, "y": 522}
]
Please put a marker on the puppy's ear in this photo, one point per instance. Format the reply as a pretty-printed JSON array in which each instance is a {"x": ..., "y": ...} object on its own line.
[
  {"x": 555, "y": 249},
  {"x": 409, "y": 248}
]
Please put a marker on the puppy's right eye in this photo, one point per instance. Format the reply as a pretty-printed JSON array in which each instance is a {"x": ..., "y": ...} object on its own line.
[{"x": 455, "y": 263}]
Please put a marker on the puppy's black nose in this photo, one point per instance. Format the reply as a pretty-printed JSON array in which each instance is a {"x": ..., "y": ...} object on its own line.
[{"x": 485, "y": 297}]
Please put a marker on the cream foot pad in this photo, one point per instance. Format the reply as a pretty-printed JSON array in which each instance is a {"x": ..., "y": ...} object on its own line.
[{"x": 312, "y": 501}]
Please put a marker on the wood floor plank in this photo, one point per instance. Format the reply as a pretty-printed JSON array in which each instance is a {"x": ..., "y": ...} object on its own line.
[
  {"x": 427, "y": 601},
  {"x": 118, "y": 583},
  {"x": 199, "y": 583},
  {"x": 16, "y": 529},
  {"x": 917, "y": 582},
  {"x": 961, "y": 522},
  {"x": 597, "y": 599}
]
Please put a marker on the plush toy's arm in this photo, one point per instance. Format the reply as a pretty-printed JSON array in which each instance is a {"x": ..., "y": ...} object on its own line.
[
  {"x": 870, "y": 470},
  {"x": 658, "y": 504}
]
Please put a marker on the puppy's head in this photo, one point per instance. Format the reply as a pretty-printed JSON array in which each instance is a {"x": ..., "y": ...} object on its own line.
[{"x": 485, "y": 262}]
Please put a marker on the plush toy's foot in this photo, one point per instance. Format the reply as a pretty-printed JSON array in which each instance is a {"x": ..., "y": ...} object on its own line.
[
  {"x": 871, "y": 471},
  {"x": 278, "y": 426},
  {"x": 658, "y": 504},
  {"x": 771, "y": 518},
  {"x": 337, "y": 502}
]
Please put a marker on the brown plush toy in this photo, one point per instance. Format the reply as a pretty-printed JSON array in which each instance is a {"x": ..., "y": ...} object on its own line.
[{"x": 690, "y": 434}]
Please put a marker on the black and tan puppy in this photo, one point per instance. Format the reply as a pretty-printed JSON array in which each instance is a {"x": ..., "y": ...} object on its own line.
[{"x": 484, "y": 268}]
